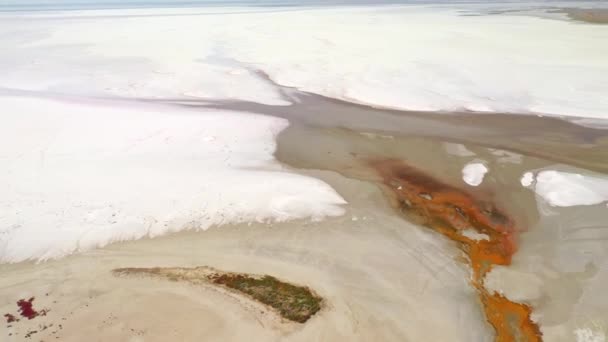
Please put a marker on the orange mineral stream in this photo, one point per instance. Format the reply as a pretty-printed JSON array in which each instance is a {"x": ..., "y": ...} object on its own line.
[{"x": 450, "y": 211}]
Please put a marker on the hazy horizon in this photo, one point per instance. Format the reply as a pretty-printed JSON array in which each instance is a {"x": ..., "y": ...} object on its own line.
[{"x": 18, "y": 5}]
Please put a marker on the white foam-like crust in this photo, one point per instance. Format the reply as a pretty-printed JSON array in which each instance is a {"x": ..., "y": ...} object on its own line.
[
  {"x": 474, "y": 235},
  {"x": 506, "y": 156},
  {"x": 527, "y": 179},
  {"x": 79, "y": 176},
  {"x": 408, "y": 57},
  {"x": 473, "y": 173},
  {"x": 588, "y": 335},
  {"x": 458, "y": 150},
  {"x": 565, "y": 189}
]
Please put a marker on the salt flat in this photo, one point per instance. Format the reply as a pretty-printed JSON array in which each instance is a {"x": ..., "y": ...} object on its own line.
[
  {"x": 240, "y": 138},
  {"x": 406, "y": 57},
  {"x": 78, "y": 176}
]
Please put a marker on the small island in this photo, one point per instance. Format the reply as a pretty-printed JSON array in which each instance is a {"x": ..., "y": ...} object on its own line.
[{"x": 293, "y": 302}]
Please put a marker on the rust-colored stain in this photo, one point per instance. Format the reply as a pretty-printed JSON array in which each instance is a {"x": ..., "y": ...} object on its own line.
[{"x": 449, "y": 211}]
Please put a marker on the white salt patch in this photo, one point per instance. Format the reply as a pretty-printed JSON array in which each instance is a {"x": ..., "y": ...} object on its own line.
[
  {"x": 516, "y": 285},
  {"x": 77, "y": 176},
  {"x": 473, "y": 173},
  {"x": 474, "y": 235},
  {"x": 506, "y": 156},
  {"x": 161, "y": 58},
  {"x": 435, "y": 59},
  {"x": 458, "y": 150},
  {"x": 591, "y": 122},
  {"x": 565, "y": 189},
  {"x": 527, "y": 179},
  {"x": 417, "y": 58},
  {"x": 588, "y": 335},
  {"x": 376, "y": 136}
]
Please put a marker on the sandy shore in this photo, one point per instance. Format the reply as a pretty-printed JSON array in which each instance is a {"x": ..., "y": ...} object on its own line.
[{"x": 382, "y": 277}]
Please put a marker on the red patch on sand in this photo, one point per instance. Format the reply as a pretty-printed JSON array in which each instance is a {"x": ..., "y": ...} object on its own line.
[{"x": 26, "y": 309}]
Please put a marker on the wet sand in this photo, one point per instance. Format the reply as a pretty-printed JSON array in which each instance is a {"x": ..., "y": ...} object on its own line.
[
  {"x": 597, "y": 15},
  {"x": 560, "y": 258},
  {"x": 384, "y": 276},
  {"x": 592, "y": 16},
  {"x": 558, "y": 139}
]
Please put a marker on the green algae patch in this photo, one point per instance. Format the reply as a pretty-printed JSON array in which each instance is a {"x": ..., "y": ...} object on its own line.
[
  {"x": 295, "y": 303},
  {"x": 292, "y": 302}
]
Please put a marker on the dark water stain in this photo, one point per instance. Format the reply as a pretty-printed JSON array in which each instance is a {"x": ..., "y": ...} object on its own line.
[{"x": 555, "y": 138}]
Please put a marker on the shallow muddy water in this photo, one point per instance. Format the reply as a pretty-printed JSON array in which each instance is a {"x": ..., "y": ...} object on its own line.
[{"x": 561, "y": 257}]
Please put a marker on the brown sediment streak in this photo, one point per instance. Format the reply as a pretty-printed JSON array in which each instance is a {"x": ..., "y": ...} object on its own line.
[{"x": 450, "y": 211}]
